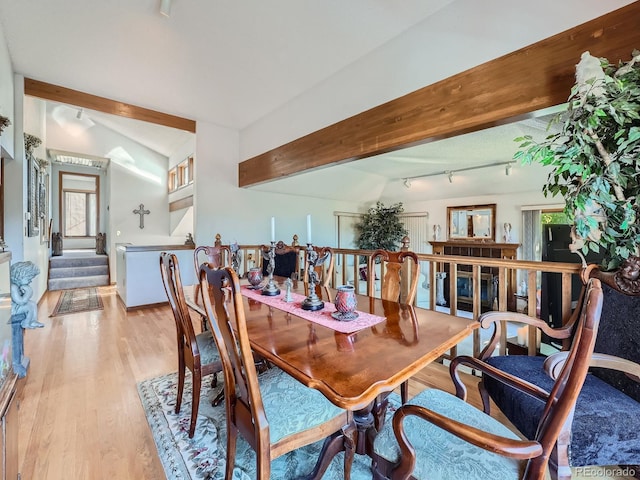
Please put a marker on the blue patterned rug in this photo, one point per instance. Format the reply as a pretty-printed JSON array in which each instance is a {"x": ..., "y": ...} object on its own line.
[{"x": 203, "y": 456}]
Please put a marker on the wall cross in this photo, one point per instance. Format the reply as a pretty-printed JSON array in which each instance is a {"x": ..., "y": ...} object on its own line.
[{"x": 142, "y": 212}]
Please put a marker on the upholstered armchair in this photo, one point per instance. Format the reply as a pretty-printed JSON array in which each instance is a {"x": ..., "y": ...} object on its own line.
[
  {"x": 605, "y": 426},
  {"x": 438, "y": 435}
]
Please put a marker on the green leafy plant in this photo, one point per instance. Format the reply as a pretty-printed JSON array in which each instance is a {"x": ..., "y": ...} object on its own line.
[
  {"x": 595, "y": 155},
  {"x": 380, "y": 227}
]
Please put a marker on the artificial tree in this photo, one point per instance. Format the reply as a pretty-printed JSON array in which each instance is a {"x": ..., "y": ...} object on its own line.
[
  {"x": 381, "y": 228},
  {"x": 595, "y": 156}
]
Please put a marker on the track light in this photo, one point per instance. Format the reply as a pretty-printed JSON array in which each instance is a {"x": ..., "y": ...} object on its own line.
[
  {"x": 165, "y": 7},
  {"x": 79, "y": 114},
  {"x": 449, "y": 173},
  {"x": 407, "y": 183}
]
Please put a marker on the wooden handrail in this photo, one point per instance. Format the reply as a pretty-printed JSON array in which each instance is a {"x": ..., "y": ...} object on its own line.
[{"x": 347, "y": 266}]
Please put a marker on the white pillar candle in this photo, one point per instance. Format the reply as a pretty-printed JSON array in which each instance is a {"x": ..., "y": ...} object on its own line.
[
  {"x": 273, "y": 229},
  {"x": 309, "y": 229}
]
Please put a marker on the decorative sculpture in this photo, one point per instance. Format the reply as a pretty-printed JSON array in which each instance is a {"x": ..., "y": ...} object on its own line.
[
  {"x": 21, "y": 275},
  {"x": 235, "y": 256},
  {"x": 189, "y": 240},
  {"x": 101, "y": 244},
  {"x": 288, "y": 297},
  {"x": 436, "y": 233},
  {"x": 507, "y": 232},
  {"x": 312, "y": 301},
  {"x": 24, "y": 312},
  {"x": 56, "y": 244},
  {"x": 270, "y": 289}
]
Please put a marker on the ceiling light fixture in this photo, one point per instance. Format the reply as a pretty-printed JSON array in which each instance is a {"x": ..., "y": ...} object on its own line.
[
  {"x": 407, "y": 183},
  {"x": 507, "y": 169},
  {"x": 165, "y": 7},
  {"x": 79, "y": 114},
  {"x": 450, "y": 173}
]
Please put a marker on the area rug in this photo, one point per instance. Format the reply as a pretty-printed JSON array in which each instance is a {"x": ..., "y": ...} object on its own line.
[
  {"x": 203, "y": 456},
  {"x": 78, "y": 300}
]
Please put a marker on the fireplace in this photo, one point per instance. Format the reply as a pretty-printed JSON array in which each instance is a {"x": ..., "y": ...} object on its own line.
[
  {"x": 465, "y": 288},
  {"x": 464, "y": 285}
]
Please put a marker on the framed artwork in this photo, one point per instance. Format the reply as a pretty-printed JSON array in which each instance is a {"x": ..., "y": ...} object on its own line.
[
  {"x": 33, "y": 222},
  {"x": 43, "y": 204}
]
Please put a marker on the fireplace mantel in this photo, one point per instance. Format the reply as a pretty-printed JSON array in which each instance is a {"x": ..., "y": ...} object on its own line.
[{"x": 476, "y": 249}]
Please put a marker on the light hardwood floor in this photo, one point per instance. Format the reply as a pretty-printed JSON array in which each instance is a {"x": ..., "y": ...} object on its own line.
[{"x": 80, "y": 414}]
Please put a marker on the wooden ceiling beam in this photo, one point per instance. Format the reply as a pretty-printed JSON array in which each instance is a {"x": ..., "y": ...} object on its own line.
[
  {"x": 48, "y": 91},
  {"x": 505, "y": 89}
]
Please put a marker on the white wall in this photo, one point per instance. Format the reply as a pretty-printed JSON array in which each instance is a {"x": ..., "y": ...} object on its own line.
[
  {"x": 242, "y": 214},
  {"x": 6, "y": 95}
]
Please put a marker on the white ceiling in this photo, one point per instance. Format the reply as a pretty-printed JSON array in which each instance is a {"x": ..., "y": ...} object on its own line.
[
  {"x": 222, "y": 61},
  {"x": 231, "y": 63}
]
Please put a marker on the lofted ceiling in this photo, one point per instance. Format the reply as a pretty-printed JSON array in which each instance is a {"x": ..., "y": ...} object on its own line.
[{"x": 233, "y": 63}]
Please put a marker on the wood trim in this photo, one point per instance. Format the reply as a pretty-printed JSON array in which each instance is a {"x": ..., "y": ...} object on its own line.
[
  {"x": 502, "y": 90},
  {"x": 185, "y": 202},
  {"x": 48, "y": 91}
]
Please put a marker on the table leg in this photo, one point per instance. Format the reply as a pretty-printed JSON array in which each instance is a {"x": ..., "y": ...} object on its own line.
[{"x": 358, "y": 439}]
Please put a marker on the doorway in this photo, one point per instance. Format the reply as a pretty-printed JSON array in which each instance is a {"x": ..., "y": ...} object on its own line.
[{"x": 79, "y": 206}]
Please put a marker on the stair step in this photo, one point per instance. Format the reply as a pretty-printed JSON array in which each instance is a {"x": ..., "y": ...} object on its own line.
[
  {"x": 63, "y": 272},
  {"x": 63, "y": 262},
  {"x": 78, "y": 282}
]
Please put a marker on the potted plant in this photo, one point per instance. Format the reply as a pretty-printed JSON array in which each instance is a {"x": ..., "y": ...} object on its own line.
[
  {"x": 380, "y": 227},
  {"x": 595, "y": 155}
]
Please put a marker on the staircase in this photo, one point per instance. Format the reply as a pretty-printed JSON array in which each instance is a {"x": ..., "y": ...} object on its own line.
[{"x": 78, "y": 268}]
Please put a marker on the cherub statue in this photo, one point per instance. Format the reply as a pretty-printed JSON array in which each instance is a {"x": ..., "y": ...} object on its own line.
[
  {"x": 270, "y": 256},
  {"x": 21, "y": 274},
  {"x": 313, "y": 262}
]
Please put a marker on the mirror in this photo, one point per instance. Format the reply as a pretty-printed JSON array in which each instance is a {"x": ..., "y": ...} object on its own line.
[{"x": 476, "y": 222}]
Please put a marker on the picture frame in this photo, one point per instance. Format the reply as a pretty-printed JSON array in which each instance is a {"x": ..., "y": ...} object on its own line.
[
  {"x": 33, "y": 191},
  {"x": 472, "y": 222}
]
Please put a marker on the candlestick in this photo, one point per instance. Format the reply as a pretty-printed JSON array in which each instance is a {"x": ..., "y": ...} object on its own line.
[
  {"x": 313, "y": 302},
  {"x": 273, "y": 229},
  {"x": 309, "y": 229},
  {"x": 270, "y": 288}
]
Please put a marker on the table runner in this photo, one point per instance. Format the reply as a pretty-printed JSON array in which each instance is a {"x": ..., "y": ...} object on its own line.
[{"x": 322, "y": 317}]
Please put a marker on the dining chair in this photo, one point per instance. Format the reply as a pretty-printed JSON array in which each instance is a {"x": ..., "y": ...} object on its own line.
[
  {"x": 323, "y": 271},
  {"x": 400, "y": 277},
  {"x": 439, "y": 435},
  {"x": 198, "y": 353},
  {"x": 274, "y": 412},
  {"x": 399, "y": 283},
  {"x": 287, "y": 260},
  {"x": 212, "y": 257}
]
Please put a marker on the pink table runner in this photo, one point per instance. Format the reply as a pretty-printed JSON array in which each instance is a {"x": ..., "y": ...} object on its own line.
[{"x": 322, "y": 317}]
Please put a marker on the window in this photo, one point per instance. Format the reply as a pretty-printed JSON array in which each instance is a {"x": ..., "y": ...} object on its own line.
[
  {"x": 79, "y": 205},
  {"x": 181, "y": 175}
]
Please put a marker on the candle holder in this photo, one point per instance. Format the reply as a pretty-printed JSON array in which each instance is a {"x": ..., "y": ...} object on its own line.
[
  {"x": 312, "y": 302},
  {"x": 270, "y": 289}
]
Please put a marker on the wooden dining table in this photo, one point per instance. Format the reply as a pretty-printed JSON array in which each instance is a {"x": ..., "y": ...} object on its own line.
[{"x": 354, "y": 371}]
